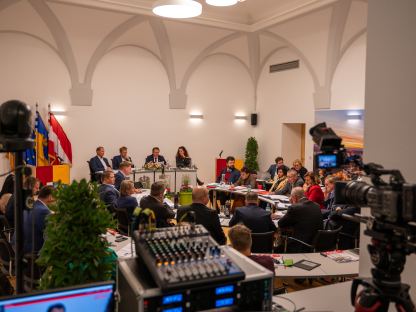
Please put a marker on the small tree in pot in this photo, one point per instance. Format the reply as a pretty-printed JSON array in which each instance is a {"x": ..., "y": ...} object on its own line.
[
  {"x": 251, "y": 155},
  {"x": 75, "y": 251}
]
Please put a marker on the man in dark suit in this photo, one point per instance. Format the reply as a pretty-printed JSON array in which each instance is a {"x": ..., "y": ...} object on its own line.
[
  {"x": 155, "y": 157},
  {"x": 37, "y": 215},
  {"x": 99, "y": 163},
  {"x": 273, "y": 168},
  {"x": 107, "y": 192},
  {"x": 304, "y": 217},
  {"x": 117, "y": 160},
  {"x": 203, "y": 215},
  {"x": 252, "y": 216},
  {"x": 155, "y": 202},
  {"x": 231, "y": 174},
  {"x": 293, "y": 180},
  {"x": 122, "y": 174}
]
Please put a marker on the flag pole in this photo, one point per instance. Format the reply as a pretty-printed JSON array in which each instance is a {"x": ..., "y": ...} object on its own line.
[{"x": 36, "y": 135}]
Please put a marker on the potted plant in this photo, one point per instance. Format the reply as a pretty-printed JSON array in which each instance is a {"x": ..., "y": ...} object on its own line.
[
  {"x": 75, "y": 251},
  {"x": 185, "y": 195},
  {"x": 251, "y": 155}
]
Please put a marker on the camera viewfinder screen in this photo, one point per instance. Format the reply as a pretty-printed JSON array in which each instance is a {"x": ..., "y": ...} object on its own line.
[
  {"x": 91, "y": 299},
  {"x": 327, "y": 161}
]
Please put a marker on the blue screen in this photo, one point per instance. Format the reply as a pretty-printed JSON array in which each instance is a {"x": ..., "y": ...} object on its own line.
[
  {"x": 224, "y": 302},
  {"x": 327, "y": 161},
  {"x": 172, "y": 299},
  {"x": 92, "y": 299},
  {"x": 173, "y": 310},
  {"x": 224, "y": 290}
]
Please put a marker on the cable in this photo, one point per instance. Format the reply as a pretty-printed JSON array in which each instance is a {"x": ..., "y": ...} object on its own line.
[{"x": 287, "y": 299}]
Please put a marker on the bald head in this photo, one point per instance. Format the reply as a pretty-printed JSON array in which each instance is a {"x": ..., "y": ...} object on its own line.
[
  {"x": 200, "y": 195},
  {"x": 296, "y": 194}
]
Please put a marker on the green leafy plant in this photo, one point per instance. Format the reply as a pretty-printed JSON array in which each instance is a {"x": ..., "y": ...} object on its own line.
[
  {"x": 75, "y": 251},
  {"x": 251, "y": 154}
]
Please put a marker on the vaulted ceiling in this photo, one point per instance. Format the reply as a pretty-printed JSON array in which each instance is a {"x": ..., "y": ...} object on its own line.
[{"x": 249, "y": 15}]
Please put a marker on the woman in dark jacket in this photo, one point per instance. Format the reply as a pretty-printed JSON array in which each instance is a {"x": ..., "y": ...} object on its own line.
[
  {"x": 126, "y": 201},
  {"x": 182, "y": 158}
]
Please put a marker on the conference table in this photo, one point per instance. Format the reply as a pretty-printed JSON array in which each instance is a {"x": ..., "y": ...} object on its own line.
[
  {"x": 277, "y": 202},
  {"x": 328, "y": 267},
  {"x": 334, "y": 297}
]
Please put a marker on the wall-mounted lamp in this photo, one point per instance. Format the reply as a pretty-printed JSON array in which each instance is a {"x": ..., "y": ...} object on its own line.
[
  {"x": 196, "y": 116},
  {"x": 240, "y": 117}
]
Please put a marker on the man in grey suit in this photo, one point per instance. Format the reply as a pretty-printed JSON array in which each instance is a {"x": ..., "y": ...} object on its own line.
[{"x": 293, "y": 180}]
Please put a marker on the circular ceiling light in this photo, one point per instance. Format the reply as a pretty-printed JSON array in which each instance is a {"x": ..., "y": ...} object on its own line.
[
  {"x": 221, "y": 2},
  {"x": 177, "y": 8}
]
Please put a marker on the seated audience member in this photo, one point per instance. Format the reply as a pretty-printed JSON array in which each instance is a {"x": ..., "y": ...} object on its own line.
[
  {"x": 29, "y": 183},
  {"x": 313, "y": 191},
  {"x": 329, "y": 194},
  {"x": 3, "y": 202},
  {"x": 304, "y": 218},
  {"x": 117, "y": 160},
  {"x": 252, "y": 216},
  {"x": 321, "y": 176},
  {"x": 99, "y": 163},
  {"x": 154, "y": 201},
  {"x": 8, "y": 185},
  {"x": 352, "y": 229},
  {"x": 203, "y": 215},
  {"x": 293, "y": 180},
  {"x": 246, "y": 179},
  {"x": 107, "y": 192},
  {"x": 297, "y": 165},
  {"x": 125, "y": 200},
  {"x": 122, "y": 174},
  {"x": 231, "y": 174},
  {"x": 182, "y": 158},
  {"x": 273, "y": 168},
  {"x": 240, "y": 238},
  {"x": 280, "y": 180},
  {"x": 37, "y": 215},
  {"x": 155, "y": 157}
]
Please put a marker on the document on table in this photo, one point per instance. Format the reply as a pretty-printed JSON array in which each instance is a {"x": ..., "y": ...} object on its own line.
[{"x": 126, "y": 251}]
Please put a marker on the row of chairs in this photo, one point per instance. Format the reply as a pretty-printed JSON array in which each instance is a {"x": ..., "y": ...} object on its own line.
[{"x": 324, "y": 240}]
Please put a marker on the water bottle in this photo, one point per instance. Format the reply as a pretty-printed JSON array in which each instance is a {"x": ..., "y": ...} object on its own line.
[
  {"x": 223, "y": 178},
  {"x": 227, "y": 209},
  {"x": 268, "y": 207}
]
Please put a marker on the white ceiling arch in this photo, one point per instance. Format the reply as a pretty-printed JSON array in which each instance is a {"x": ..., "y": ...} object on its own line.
[{"x": 250, "y": 15}]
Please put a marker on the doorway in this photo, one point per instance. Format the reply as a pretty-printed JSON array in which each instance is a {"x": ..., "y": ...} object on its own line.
[{"x": 293, "y": 142}]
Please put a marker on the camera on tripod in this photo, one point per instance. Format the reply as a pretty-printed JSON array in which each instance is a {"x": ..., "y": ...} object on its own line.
[
  {"x": 391, "y": 226},
  {"x": 332, "y": 153}
]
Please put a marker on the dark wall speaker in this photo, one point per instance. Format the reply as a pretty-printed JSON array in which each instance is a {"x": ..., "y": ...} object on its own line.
[{"x": 254, "y": 119}]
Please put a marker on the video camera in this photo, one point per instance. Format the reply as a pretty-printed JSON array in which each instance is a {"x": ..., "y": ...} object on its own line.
[
  {"x": 332, "y": 153},
  {"x": 392, "y": 226}
]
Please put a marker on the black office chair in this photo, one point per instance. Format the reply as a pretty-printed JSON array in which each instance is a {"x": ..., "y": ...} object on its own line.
[
  {"x": 7, "y": 257},
  {"x": 262, "y": 242},
  {"x": 324, "y": 240},
  {"x": 94, "y": 176},
  {"x": 349, "y": 240},
  {"x": 123, "y": 221},
  {"x": 5, "y": 228}
]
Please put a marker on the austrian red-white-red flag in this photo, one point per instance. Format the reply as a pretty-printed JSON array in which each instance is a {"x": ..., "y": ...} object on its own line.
[{"x": 59, "y": 147}]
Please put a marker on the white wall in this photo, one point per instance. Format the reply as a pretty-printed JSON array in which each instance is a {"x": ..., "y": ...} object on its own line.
[
  {"x": 390, "y": 97},
  {"x": 283, "y": 97},
  {"x": 131, "y": 84}
]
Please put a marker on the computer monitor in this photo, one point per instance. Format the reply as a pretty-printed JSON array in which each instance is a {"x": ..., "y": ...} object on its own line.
[{"x": 97, "y": 297}]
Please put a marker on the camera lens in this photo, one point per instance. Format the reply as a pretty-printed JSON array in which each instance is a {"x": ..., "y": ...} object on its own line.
[{"x": 352, "y": 193}]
